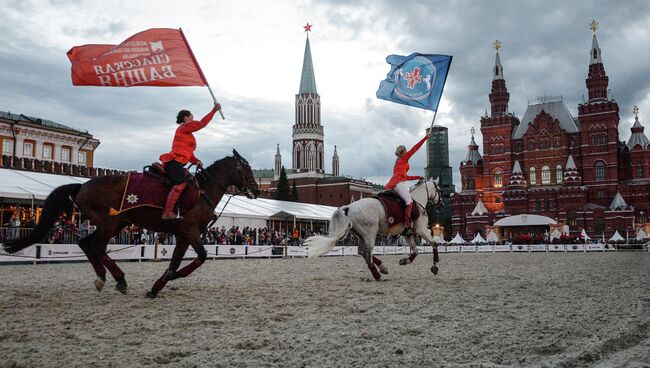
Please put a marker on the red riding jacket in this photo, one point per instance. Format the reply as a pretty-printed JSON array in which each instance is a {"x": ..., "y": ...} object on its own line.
[
  {"x": 184, "y": 142},
  {"x": 400, "y": 171}
]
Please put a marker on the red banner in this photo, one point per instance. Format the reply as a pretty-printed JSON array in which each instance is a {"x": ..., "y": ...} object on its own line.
[{"x": 156, "y": 57}]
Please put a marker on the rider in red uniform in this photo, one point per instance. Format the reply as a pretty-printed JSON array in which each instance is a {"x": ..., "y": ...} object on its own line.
[
  {"x": 400, "y": 176},
  {"x": 182, "y": 152}
]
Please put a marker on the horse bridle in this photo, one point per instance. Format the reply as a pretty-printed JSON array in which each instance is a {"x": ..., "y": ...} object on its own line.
[
  {"x": 239, "y": 168},
  {"x": 430, "y": 201}
]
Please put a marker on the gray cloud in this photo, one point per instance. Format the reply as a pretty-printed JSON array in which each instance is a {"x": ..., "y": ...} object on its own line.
[{"x": 545, "y": 51}]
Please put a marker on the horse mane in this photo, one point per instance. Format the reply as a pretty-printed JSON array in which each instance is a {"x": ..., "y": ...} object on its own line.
[{"x": 213, "y": 169}]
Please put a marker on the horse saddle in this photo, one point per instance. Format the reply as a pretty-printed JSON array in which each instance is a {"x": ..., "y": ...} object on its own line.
[
  {"x": 144, "y": 190},
  {"x": 394, "y": 206},
  {"x": 157, "y": 170}
]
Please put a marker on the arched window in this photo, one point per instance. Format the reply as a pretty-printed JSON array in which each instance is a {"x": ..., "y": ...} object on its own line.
[
  {"x": 546, "y": 175},
  {"x": 639, "y": 170},
  {"x": 641, "y": 218},
  {"x": 559, "y": 175},
  {"x": 599, "y": 169},
  {"x": 519, "y": 146},
  {"x": 558, "y": 143},
  {"x": 470, "y": 184},
  {"x": 531, "y": 145},
  {"x": 532, "y": 177},
  {"x": 498, "y": 178}
]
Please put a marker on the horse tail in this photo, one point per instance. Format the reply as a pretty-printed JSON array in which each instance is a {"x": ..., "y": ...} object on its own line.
[
  {"x": 59, "y": 201},
  {"x": 339, "y": 227}
]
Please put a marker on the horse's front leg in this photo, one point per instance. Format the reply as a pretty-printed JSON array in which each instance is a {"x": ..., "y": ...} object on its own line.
[
  {"x": 414, "y": 251},
  {"x": 202, "y": 255},
  {"x": 425, "y": 233},
  {"x": 170, "y": 273}
]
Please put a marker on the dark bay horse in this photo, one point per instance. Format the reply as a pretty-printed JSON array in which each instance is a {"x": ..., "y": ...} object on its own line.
[{"x": 97, "y": 196}]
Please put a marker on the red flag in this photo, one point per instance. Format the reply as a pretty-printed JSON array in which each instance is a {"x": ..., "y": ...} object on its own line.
[{"x": 156, "y": 57}]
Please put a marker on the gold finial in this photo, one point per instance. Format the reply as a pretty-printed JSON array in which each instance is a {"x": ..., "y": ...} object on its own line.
[
  {"x": 594, "y": 26},
  {"x": 472, "y": 131},
  {"x": 635, "y": 111},
  {"x": 497, "y": 45}
]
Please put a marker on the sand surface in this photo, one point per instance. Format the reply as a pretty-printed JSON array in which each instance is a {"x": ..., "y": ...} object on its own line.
[{"x": 489, "y": 310}]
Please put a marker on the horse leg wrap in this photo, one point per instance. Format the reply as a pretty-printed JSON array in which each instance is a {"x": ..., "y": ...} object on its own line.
[
  {"x": 412, "y": 257},
  {"x": 376, "y": 261},
  {"x": 187, "y": 270},
  {"x": 436, "y": 256},
  {"x": 117, "y": 273},
  {"x": 374, "y": 272}
]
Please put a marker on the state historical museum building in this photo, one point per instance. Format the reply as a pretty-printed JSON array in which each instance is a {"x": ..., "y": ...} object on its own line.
[{"x": 573, "y": 170}]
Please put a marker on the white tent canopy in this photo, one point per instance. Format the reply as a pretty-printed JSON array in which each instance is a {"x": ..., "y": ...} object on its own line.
[
  {"x": 492, "y": 237},
  {"x": 616, "y": 237},
  {"x": 584, "y": 235},
  {"x": 525, "y": 220},
  {"x": 457, "y": 239},
  {"x": 18, "y": 184},
  {"x": 242, "y": 211},
  {"x": 478, "y": 239}
]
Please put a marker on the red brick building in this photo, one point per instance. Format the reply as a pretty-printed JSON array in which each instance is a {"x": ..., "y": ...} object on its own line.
[{"x": 574, "y": 170}]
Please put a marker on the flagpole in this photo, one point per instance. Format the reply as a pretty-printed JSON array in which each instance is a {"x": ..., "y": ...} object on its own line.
[
  {"x": 434, "y": 120},
  {"x": 200, "y": 71}
]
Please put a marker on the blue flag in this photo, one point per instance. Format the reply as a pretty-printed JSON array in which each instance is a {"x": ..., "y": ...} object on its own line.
[{"x": 415, "y": 80}]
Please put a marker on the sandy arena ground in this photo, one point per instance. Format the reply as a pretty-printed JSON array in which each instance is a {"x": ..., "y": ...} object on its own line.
[{"x": 549, "y": 310}]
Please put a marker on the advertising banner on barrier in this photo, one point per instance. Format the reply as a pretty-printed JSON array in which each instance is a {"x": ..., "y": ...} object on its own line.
[
  {"x": 62, "y": 252},
  {"x": 609, "y": 247},
  {"x": 453, "y": 249},
  {"x": 337, "y": 251},
  {"x": 484, "y": 249},
  {"x": 260, "y": 251},
  {"x": 519, "y": 247},
  {"x": 537, "y": 247},
  {"x": 378, "y": 250},
  {"x": 575, "y": 247},
  {"x": 389, "y": 250},
  {"x": 297, "y": 252},
  {"x": 27, "y": 254},
  {"x": 402, "y": 250},
  {"x": 425, "y": 249},
  {"x": 442, "y": 249},
  {"x": 556, "y": 248},
  {"x": 231, "y": 250},
  {"x": 501, "y": 248},
  {"x": 350, "y": 251},
  {"x": 467, "y": 248},
  {"x": 164, "y": 251},
  {"x": 124, "y": 252},
  {"x": 595, "y": 247}
]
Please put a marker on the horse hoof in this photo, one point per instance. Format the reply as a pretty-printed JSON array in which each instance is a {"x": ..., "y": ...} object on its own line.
[
  {"x": 434, "y": 269},
  {"x": 121, "y": 287},
  {"x": 99, "y": 284},
  {"x": 404, "y": 261},
  {"x": 383, "y": 269},
  {"x": 150, "y": 295}
]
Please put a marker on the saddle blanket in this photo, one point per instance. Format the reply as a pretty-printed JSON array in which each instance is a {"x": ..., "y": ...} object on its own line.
[
  {"x": 394, "y": 206},
  {"x": 144, "y": 190}
]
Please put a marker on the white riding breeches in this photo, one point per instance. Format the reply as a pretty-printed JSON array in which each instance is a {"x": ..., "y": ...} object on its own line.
[{"x": 403, "y": 190}]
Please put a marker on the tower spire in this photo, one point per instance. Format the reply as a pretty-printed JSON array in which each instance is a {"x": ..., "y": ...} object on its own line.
[
  {"x": 597, "y": 80},
  {"x": 499, "y": 95},
  {"x": 307, "y": 79},
  {"x": 335, "y": 163}
]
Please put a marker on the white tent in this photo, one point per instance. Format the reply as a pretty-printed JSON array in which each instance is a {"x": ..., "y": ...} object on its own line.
[
  {"x": 641, "y": 234},
  {"x": 478, "y": 239},
  {"x": 616, "y": 237},
  {"x": 584, "y": 235},
  {"x": 457, "y": 239},
  {"x": 18, "y": 184},
  {"x": 439, "y": 239}
]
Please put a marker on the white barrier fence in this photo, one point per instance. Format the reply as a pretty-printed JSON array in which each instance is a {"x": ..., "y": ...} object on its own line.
[{"x": 71, "y": 252}]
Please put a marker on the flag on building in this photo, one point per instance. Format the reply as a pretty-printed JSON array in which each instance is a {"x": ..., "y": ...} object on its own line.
[
  {"x": 415, "y": 80},
  {"x": 155, "y": 57}
]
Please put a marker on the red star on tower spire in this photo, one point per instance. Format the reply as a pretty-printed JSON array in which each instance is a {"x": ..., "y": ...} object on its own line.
[{"x": 308, "y": 27}]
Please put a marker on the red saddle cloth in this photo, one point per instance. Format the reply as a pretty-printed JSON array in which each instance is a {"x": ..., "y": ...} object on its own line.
[
  {"x": 144, "y": 190},
  {"x": 394, "y": 206}
]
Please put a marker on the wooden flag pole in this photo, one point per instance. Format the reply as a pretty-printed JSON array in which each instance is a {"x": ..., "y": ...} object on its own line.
[{"x": 200, "y": 71}]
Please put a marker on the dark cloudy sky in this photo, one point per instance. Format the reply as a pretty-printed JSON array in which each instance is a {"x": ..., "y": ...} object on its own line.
[{"x": 251, "y": 53}]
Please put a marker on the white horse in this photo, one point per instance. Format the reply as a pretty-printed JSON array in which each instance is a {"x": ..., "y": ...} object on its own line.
[{"x": 367, "y": 217}]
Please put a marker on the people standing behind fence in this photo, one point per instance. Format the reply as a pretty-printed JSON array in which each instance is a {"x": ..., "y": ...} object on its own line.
[{"x": 14, "y": 226}]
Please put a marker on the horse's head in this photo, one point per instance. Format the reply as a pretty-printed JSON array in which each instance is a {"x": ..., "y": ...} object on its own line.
[
  {"x": 244, "y": 179},
  {"x": 429, "y": 191}
]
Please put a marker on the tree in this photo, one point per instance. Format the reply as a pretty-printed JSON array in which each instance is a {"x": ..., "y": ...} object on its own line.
[
  {"x": 282, "y": 193},
  {"x": 294, "y": 192}
]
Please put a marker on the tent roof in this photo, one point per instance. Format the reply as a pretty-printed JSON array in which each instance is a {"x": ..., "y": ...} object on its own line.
[
  {"x": 270, "y": 208},
  {"x": 584, "y": 234},
  {"x": 616, "y": 237},
  {"x": 478, "y": 239},
  {"x": 525, "y": 220},
  {"x": 457, "y": 239},
  {"x": 20, "y": 184}
]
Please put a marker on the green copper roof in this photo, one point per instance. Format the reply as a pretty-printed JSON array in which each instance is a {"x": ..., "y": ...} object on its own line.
[{"x": 307, "y": 79}]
